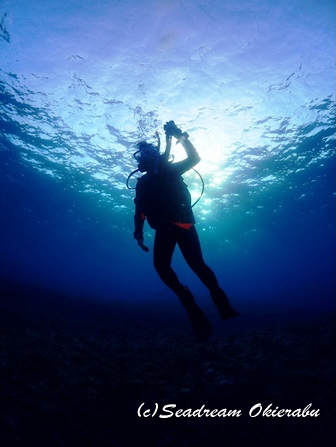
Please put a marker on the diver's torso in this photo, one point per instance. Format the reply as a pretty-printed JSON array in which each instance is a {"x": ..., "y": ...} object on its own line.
[{"x": 164, "y": 197}]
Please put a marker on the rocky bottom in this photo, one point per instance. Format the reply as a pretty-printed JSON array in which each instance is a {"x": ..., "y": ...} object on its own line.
[{"x": 79, "y": 372}]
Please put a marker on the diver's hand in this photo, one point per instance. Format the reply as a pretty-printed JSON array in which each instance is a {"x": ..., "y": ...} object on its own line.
[
  {"x": 140, "y": 241},
  {"x": 172, "y": 130},
  {"x": 143, "y": 246}
]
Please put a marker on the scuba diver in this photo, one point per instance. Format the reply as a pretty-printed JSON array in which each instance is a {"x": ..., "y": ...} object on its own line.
[{"x": 164, "y": 200}]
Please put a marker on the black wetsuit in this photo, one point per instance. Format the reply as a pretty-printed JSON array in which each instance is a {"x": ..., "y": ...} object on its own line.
[{"x": 164, "y": 199}]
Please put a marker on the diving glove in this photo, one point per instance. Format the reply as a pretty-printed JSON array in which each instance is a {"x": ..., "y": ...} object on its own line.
[{"x": 140, "y": 240}]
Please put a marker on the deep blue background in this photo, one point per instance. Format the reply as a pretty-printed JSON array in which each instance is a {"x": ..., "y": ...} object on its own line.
[
  {"x": 57, "y": 237},
  {"x": 253, "y": 84}
]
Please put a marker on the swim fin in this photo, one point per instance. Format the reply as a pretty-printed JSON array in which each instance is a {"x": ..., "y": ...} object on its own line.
[
  {"x": 224, "y": 307},
  {"x": 200, "y": 324}
]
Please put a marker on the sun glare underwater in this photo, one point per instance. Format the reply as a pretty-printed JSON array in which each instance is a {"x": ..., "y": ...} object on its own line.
[{"x": 251, "y": 81}]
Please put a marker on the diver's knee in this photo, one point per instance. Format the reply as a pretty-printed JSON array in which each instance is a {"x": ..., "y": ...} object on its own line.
[
  {"x": 197, "y": 266},
  {"x": 160, "y": 267}
]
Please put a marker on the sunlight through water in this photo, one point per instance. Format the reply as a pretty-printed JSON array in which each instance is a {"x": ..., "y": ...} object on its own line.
[{"x": 251, "y": 81}]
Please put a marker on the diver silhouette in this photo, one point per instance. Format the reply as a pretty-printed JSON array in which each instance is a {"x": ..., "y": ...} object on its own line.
[{"x": 164, "y": 200}]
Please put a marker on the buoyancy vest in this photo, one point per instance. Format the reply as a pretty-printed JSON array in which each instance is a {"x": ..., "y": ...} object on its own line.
[{"x": 163, "y": 198}]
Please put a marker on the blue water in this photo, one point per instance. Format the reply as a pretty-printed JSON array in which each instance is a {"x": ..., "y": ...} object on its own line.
[{"x": 251, "y": 81}]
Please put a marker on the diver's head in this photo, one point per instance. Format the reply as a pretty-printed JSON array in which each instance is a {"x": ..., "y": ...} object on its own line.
[{"x": 147, "y": 156}]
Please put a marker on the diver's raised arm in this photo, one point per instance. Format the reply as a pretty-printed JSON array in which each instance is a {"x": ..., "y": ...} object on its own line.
[
  {"x": 182, "y": 137},
  {"x": 193, "y": 155}
]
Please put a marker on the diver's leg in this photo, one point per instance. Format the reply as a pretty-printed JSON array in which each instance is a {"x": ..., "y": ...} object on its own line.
[
  {"x": 190, "y": 247},
  {"x": 164, "y": 244}
]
